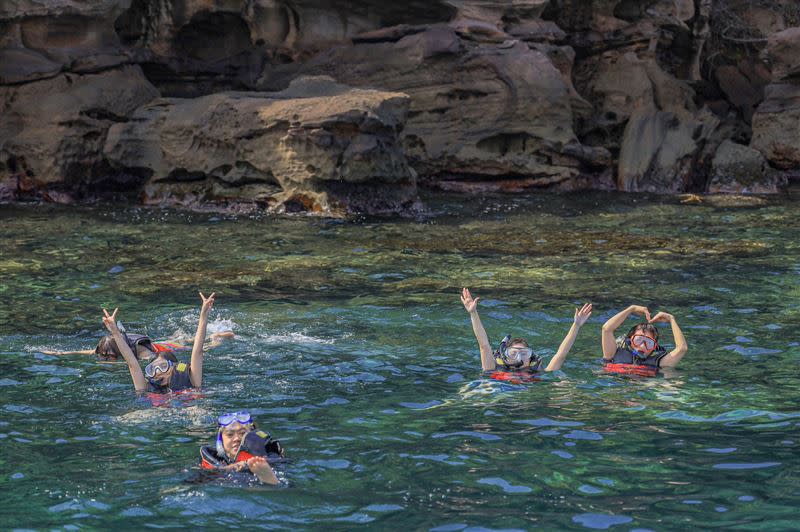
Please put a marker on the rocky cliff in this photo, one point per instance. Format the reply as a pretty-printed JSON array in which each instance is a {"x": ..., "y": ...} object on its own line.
[{"x": 333, "y": 107}]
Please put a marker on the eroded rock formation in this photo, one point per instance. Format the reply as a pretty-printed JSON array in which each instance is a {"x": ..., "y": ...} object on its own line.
[
  {"x": 317, "y": 146},
  {"x": 99, "y": 97}
]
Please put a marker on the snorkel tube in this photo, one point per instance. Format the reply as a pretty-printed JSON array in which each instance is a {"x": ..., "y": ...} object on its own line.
[{"x": 501, "y": 353}]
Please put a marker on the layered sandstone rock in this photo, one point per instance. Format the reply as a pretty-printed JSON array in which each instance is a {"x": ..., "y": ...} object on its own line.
[
  {"x": 504, "y": 95},
  {"x": 478, "y": 111},
  {"x": 318, "y": 146},
  {"x": 776, "y": 123},
  {"x": 52, "y": 131}
]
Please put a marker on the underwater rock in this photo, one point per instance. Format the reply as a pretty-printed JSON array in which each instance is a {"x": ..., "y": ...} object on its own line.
[{"x": 317, "y": 147}]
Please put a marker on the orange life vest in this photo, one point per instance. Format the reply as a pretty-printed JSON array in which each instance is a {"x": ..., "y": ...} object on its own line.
[
  {"x": 515, "y": 377},
  {"x": 631, "y": 369},
  {"x": 255, "y": 443}
]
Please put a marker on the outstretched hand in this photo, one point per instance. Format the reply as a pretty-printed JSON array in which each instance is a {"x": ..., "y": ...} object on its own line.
[
  {"x": 469, "y": 303},
  {"x": 582, "y": 314},
  {"x": 662, "y": 316},
  {"x": 208, "y": 302},
  {"x": 257, "y": 462},
  {"x": 643, "y": 311},
  {"x": 110, "y": 320}
]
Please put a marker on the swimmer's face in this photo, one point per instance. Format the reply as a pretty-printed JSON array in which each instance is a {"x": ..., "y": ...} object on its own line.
[
  {"x": 519, "y": 352},
  {"x": 232, "y": 436},
  {"x": 643, "y": 341}
]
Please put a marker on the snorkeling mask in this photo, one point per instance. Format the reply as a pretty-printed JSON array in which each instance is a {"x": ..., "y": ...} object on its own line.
[
  {"x": 242, "y": 417},
  {"x": 224, "y": 420},
  {"x": 634, "y": 341},
  {"x": 159, "y": 365},
  {"x": 514, "y": 357}
]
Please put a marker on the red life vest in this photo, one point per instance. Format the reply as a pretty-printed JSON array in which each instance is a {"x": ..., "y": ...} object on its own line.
[
  {"x": 161, "y": 347},
  {"x": 515, "y": 377},
  {"x": 631, "y": 369}
]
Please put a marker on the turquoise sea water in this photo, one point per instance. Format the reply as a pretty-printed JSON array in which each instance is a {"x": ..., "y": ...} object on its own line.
[{"x": 353, "y": 348}]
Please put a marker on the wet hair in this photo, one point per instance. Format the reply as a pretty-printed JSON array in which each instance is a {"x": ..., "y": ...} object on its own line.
[
  {"x": 107, "y": 349},
  {"x": 169, "y": 355},
  {"x": 643, "y": 327}
]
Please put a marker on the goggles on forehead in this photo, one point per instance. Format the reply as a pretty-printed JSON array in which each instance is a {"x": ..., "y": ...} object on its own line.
[
  {"x": 159, "y": 365},
  {"x": 640, "y": 340},
  {"x": 241, "y": 417}
]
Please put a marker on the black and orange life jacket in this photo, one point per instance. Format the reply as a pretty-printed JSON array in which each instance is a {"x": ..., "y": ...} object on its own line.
[
  {"x": 627, "y": 361},
  {"x": 180, "y": 380},
  {"x": 255, "y": 443}
]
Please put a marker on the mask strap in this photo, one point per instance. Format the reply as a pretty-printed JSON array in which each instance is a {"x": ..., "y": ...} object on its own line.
[{"x": 220, "y": 447}]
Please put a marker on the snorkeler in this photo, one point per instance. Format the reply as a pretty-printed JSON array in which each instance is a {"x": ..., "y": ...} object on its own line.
[
  {"x": 142, "y": 347},
  {"x": 515, "y": 354},
  {"x": 241, "y": 447},
  {"x": 640, "y": 346},
  {"x": 162, "y": 375}
]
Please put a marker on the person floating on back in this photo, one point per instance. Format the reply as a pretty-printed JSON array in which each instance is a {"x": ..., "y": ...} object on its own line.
[
  {"x": 142, "y": 347},
  {"x": 241, "y": 447},
  {"x": 162, "y": 375},
  {"x": 639, "y": 351},
  {"x": 515, "y": 355}
]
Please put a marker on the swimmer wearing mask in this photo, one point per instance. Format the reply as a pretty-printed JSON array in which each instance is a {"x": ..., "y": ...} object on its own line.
[{"x": 514, "y": 354}]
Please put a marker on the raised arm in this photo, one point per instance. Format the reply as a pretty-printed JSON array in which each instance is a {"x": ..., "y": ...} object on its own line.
[
  {"x": 613, "y": 323},
  {"x": 581, "y": 315},
  {"x": 471, "y": 305},
  {"x": 196, "y": 365},
  {"x": 673, "y": 357},
  {"x": 110, "y": 321}
]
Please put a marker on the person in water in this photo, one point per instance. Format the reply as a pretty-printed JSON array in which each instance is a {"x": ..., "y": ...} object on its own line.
[
  {"x": 640, "y": 346},
  {"x": 515, "y": 354},
  {"x": 142, "y": 347},
  {"x": 240, "y": 447},
  {"x": 162, "y": 375}
]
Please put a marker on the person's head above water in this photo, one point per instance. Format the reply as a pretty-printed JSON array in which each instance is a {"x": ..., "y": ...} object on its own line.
[
  {"x": 233, "y": 428},
  {"x": 160, "y": 370},
  {"x": 515, "y": 353},
  {"x": 643, "y": 338},
  {"x": 107, "y": 348}
]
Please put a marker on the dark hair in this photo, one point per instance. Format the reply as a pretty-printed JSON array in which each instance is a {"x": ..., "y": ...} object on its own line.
[
  {"x": 107, "y": 347},
  {"x": 643, "y": 327},
  {"x": 169, "y": 355}
]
